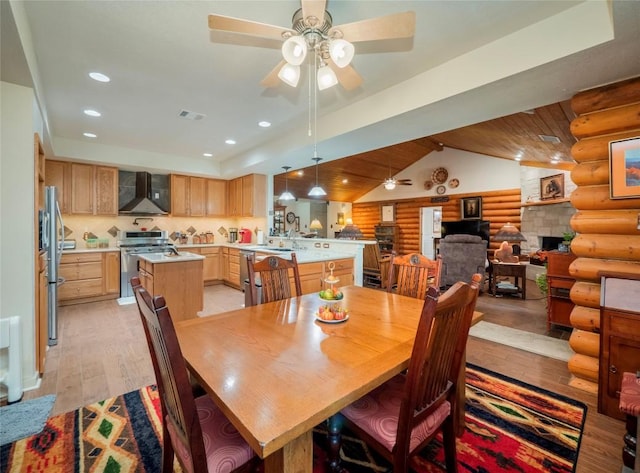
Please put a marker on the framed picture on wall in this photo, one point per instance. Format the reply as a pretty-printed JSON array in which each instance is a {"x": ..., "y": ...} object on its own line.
[
  {"x": 624, "y": 168},
  {"x": 387, "y": 213},
  {"x": 552, "y": 187},
  {"x": 471, "y": 208}
]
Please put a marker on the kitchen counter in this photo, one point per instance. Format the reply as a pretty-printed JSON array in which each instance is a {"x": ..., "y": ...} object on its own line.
[
  {"x": 90, "y": 250},
  {"x": 156, "y": 258}
]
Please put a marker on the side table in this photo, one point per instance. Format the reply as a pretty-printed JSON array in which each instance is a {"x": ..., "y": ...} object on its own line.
[{"x": 515, "y": 270}]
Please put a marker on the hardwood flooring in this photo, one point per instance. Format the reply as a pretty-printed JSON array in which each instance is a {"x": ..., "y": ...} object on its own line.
[{"x": 102, "y": 352}]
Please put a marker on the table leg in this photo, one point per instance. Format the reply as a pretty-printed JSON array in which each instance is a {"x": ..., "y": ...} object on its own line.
[{"x": 295, "y": 457}]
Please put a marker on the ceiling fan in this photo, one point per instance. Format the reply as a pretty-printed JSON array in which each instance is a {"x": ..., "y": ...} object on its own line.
[
  {"x": 390, "y": 183},
  {"x": 312, "y": 36}
]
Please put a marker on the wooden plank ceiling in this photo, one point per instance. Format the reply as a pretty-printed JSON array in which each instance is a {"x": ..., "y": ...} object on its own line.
[{"x": 349, "y": 178}]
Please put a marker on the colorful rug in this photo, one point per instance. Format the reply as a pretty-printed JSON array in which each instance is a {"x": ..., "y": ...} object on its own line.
[{"x": 510, "y": 427}]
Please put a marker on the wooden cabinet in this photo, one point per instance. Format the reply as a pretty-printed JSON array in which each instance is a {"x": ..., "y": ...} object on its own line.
[
  {"x": 619, "y": 339},
  {"x": 387, "y": 238},
  {"x": 179, "y": 282},
  {"x": 216, "y": 192},
  {"x": 58, "y": 174},
  {"x": 84, "y": 189},
  {"x": 278, "y": 220},
  {"x": 90, "y": 276},
  {"x": 41, "y": 289},
  {"x": 187, "y": 196},
  {"x": 311, "y": 275},
  {"x": 246, "y": 196},
  {"x": 233, "y": 277},
  {"x": 42, "y": 314},
  {"x": 211, "y": 272},
  {"x": 559, "y": 283},
  {"x": 224, "y": 264},
  {"x": 342, "y": 270}
]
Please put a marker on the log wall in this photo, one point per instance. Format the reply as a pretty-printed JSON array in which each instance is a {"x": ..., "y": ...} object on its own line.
[
  {"x": 608, "y": 236},
  {"x": 498, "y": 207}
]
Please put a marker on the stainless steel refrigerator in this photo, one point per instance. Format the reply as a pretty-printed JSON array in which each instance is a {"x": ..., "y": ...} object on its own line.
[{"x": 53, "y": 237}]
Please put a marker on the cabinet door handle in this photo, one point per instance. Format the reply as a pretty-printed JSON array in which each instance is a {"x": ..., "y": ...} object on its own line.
[{"x": 613, "y": 369}]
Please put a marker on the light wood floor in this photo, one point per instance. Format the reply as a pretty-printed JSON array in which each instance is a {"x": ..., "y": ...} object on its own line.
[{"x": 102, "y": 352}]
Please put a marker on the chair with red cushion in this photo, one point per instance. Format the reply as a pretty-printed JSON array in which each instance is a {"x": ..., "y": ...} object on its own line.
[
  {"x": 400, "y": 417},
  {"x": 195, "y": 429}
]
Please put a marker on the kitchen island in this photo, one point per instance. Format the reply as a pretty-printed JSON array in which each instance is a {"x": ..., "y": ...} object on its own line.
[{"x": 178, "y": 278}]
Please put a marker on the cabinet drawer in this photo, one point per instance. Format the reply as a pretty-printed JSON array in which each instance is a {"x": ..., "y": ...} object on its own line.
[
  {"x": 627, "y": 325},
  {"x": 80, "y": 257},
  {"x": 72, "y": 272},
  {"x": 80, "y": 289},
  {"x": 209, "y": 251},
  {"x": 340, "y": 265},
  {"x": 311, "y": 268}
]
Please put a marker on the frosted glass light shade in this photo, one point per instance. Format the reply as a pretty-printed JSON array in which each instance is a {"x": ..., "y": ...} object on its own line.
[
  {"x": 389, "y": 185},
  {"x": 294, "y": 50},
  {"x": 289, "y": 74},
  {"x": 326, "y": 78},
  {"x": 286, "y": 195},
  {"x": 315, "y": 224},
  {"x": 341, "y": 52},
  {"x": 317, "y": 191}
]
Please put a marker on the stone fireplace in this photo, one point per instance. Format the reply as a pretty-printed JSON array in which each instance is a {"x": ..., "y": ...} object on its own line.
[{"x": 548, "y": 220}]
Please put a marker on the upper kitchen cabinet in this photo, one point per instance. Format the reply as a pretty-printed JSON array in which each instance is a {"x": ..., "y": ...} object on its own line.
[
  {"x": 84, "y": 189},
  {"x": 216, "y": 190},
  {"x": 187, "y": 196},
  {"x": 247, "y": 196}
]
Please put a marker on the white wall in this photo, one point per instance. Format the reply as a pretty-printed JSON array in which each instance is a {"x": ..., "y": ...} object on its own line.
[
  {"x": 475, "y": 172},
  {"x": 17, "y": 233}
]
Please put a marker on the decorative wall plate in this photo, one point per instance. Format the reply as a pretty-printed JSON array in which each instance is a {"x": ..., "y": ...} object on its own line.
[
  {"x": 428, "y": 185},
  {"x": 453, "y": 183},
  {"x": 441, "y": 189},
  {"x": 440, "y": 175}
]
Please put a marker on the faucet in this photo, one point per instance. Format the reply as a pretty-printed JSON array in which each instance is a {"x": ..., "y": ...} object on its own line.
[
  {"x": 172, "y": 249},
  {"x": 291, "y": 236}
]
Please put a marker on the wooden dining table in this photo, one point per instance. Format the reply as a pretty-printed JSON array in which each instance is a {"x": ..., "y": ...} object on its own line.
[{"x": 277, "y": 372}]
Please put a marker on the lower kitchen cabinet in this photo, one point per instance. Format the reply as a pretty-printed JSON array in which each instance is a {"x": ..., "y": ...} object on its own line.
[
  {"x": 233, "y": 276},
  {"x": 89, "y": 277},
  {"x": 342, "y": 270},
  {"x": 211, "y": 270}
]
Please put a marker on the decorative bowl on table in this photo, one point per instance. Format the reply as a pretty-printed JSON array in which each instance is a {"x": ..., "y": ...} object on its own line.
[
  {"x": 330, "y": 294},
  {"x": 332, "y": 314}
]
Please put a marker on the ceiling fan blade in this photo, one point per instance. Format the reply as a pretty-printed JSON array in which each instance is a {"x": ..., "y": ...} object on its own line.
[
  {"x": 404, "y": 183},
  {"x": 403, "y": 180},
  {"x": 347, "y": 76},
  {"x": 238, "y": 25},
  {"x": 272, "y": 79},
  {"x": 396, "y": 25},
  {"x": 314, "y": 8}
]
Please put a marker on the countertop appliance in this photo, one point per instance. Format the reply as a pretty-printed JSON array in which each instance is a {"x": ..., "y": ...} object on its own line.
[
  {"x": 52, "y": 240},
  {"x": 132, "y": 244},
  {"x": 233, "y": 235},
  {"x": 430, "y": 230},
  {"x": 245, "y": 235}
]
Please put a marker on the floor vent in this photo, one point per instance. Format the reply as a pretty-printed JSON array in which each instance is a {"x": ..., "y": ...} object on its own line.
[{"x": 191, "y": 115}]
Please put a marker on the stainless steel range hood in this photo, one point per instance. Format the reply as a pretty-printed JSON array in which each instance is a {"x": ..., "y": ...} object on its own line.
[{"x": 142, "y": 203}]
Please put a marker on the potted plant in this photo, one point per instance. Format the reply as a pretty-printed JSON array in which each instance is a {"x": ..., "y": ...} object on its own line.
[
  {"x": 566, "y": 241},
  {"x": 541, "y": 282}
]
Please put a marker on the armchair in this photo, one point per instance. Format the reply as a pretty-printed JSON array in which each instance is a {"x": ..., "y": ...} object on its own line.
[{"x": 462, "y": 257}]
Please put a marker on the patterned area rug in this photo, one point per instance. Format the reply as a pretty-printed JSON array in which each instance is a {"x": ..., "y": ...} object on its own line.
[{"x": 510, "y": 427}]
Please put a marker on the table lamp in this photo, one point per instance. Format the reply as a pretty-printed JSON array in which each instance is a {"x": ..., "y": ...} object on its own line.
[
  {"x": 510, "y": 235},
  {"x": 315, "y": 225}
]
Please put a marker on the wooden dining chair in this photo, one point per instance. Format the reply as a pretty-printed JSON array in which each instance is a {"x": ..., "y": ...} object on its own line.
[
  {"x": 375, "y": 267},
  {"x": 274, "y": 278},
  {"x": 412, "y": 274},
  {"x": 193, "y": 428},
  {"x": 400, "y": 417}
]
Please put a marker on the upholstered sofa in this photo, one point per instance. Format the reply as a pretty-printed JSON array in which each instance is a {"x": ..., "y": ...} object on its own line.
[{"x": 462, "y": 257}]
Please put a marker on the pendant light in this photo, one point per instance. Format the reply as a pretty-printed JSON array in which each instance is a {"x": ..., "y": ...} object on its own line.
[
  {"x": 286, "y": 195},
  {"x": 317, "y": 191}
]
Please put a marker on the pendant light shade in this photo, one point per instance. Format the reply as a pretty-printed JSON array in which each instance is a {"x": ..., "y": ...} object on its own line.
[
  {"x": 289, "y": 74},
  {"x": 286, "y": 195},
  {"x": 341, "y": 52},
  {"x": 294, "y": 50},
  {"x": 315, "y": 224},
  {"x": 317, "y": 191}
]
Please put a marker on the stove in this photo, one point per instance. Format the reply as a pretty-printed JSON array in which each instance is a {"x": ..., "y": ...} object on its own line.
[{"x": 134, "y": 243}]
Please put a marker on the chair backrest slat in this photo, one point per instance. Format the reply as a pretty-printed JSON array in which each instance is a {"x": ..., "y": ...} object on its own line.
[
  {"x": 274, "y": 278},
  {"x": 412, "y": 274}
]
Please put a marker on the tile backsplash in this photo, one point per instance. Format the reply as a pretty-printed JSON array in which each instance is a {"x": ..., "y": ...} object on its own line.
[{"x": 107, "y": 227}]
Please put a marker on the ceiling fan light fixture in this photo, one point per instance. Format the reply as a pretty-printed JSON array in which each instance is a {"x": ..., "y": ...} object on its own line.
[
  {"x": 326, "y": 77},
  {"x": 294, "y": 50},
  {"x": 289, "y": 74},
  {"x": 389, "y": 184},
  {"x": 341, "y": 52}
]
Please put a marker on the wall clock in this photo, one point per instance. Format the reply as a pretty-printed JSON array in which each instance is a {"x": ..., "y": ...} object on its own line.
[
  {"x": 291, "y": 217},
  {"x": 441, "y": 189}
]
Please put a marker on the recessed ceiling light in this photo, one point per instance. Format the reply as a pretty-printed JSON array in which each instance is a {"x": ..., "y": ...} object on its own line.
[
  {"x": 518, "y": 158},
  {"x": 99, "y": 76},
  {"x": 208, "y": 155},
  {"x": 300, "y": 172},
  {"x": 345, "y": 181},
  {"x": 264, "y": 124},
  {"x": 92, "y": 113},
  {"x": 230, "y": 141},
  {"x": 555, "y": 160},
  {"x": 90, "y": 135}
]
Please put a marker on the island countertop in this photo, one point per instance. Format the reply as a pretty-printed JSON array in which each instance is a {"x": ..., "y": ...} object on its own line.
[{"x": 181, "y": 257}]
